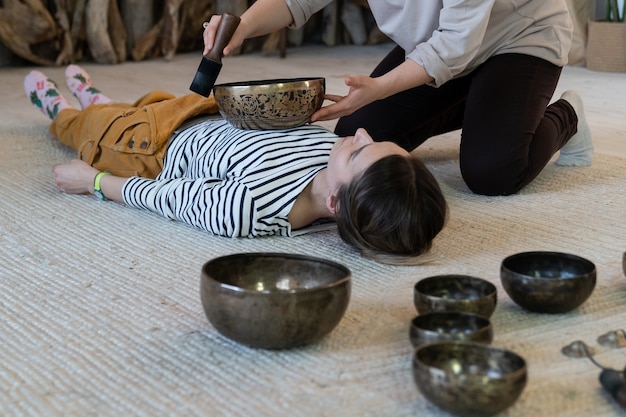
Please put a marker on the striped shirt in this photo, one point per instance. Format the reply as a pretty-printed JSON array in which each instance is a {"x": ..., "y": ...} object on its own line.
[{"x": 231, "y": 182}]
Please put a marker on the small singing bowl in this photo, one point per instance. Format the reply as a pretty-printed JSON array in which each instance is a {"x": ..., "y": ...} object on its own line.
[
  {"x": 442, "y": 327},
  {"x": 548, "y": 282},
  {"x": 270, "y": 104},
  {"x": 469, "y": 379},
  {"x": 274, "y": 300},
  {"x": 455, "y": 293}
]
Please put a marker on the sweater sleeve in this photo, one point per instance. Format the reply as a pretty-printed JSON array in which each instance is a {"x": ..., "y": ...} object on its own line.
[
  {"x": 221, "y": 207},
  {"x": 456, "y": 41},
  {"x": 302, "y": 10}
]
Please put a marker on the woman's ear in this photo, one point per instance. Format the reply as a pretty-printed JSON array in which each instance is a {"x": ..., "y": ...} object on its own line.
[{"x": 331, "y": 203}]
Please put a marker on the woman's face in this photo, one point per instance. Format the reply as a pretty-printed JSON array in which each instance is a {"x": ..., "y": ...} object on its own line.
[{"x": 350, "y": 156}]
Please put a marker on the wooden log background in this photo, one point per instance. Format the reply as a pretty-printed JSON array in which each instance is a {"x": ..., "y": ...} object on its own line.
[{"x": 60, "y": 32}]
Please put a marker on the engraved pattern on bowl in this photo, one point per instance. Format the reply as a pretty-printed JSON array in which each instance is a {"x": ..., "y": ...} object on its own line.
[{"x": 270, "y": 104}]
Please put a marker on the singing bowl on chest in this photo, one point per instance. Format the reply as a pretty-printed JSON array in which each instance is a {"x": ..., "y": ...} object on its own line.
[{"x": 270, "y": 104}]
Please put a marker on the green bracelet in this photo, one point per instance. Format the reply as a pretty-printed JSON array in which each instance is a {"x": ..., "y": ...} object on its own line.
[{"x": 96, "y": 185}]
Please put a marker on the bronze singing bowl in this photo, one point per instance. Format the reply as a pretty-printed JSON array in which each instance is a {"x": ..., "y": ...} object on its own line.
[
  {"x": 469, "y": 379},
  {"x": 452, "y": 326},
  {"x": 274, "y": 300},
  {"x": 548, "y": 282},
  {"x": 270, "y": 104},
  {"x": 455, "y": 293}
]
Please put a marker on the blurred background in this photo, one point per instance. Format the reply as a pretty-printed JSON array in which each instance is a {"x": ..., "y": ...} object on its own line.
[{"x": 59, "y": 32}]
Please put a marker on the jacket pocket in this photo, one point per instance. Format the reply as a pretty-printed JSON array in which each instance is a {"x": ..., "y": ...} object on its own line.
[{"x": 131, "y": 138}]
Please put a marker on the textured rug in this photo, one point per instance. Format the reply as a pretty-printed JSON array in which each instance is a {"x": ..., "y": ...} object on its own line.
[{"x": 100, "y": 313}]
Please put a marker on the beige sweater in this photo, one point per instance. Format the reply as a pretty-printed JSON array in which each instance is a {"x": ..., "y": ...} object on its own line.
[{"x": 450, "y": 38}]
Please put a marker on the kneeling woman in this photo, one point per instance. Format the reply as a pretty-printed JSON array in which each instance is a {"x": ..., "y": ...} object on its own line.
[{"x": 154, "y": 155}]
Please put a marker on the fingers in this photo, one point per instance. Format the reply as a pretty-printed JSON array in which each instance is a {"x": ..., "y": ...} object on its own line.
[
  {"x": 57, "y": 171},
  {"x": 74, "y": 177},
  {"x": 316, "y": 117},
  {"x": 210, "y": 28},
  {"x": 333, "y": 97},
  {"x": 357, "y": 81},
  {"x": 210, "y": 35},
  {"x": 330, "y": 112}
]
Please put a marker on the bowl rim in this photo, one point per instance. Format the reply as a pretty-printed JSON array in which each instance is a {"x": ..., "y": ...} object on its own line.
[
  {"x": 488, "y": 284},
  {"x": 552, "y": 254},
  {"x": 523, "y": 369},
  {"x": 484, "y": 321},
  {"x": 347, "y": 274},
  {"x": 267, "y": 83}
]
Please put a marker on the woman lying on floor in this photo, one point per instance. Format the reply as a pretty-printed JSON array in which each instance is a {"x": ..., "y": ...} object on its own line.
[{"x": 152, "y": 155}]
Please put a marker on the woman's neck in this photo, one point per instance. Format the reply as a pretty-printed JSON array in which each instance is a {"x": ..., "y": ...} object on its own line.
[{"x": 311, "y": 203}]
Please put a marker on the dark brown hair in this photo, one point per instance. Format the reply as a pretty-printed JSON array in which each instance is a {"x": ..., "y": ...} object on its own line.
[{"x": 393, "y": 211}]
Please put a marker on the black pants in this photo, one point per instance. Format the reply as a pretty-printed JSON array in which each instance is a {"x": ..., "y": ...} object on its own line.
[{"x": 509, "y": 131}]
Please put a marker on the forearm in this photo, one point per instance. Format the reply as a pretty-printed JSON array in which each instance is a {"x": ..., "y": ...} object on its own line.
[
  {"x": 111, "y": 187},
  {"x": 221, "y": 207},
  {"x": 405, "y": 76},
  {"x": 77, "y": 177},
  {"x": 264, "y": 17},
  {"x": 365, "y": 90}
]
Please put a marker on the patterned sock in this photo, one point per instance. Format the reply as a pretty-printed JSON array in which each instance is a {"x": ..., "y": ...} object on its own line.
[
  {"x": 44, "y": 94},
  {"x": 79, "y": 83},
  {"x": 578, "y": 151}
]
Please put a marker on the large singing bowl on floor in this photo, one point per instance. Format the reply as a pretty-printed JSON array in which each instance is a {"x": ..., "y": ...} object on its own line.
[
  {"x": 548, "y": 282},
  {"x": 274, "y": 300},
  {"x": 270, "y": 104}
]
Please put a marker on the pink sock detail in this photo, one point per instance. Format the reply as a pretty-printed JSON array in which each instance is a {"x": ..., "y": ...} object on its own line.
[
  {"x": 44, "y": 94},
  {"x": 79, "y": 83}
]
